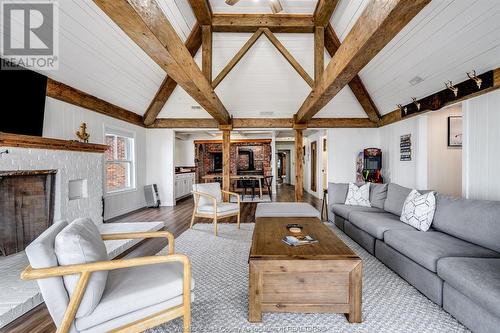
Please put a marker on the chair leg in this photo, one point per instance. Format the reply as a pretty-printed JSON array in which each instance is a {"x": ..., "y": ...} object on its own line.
[
  {"x": 238, "y": 220},
  {"x": 215, "y": 225},
  {"x": 186, "y": 323}
]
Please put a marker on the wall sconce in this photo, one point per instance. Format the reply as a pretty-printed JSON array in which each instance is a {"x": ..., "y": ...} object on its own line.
[
  {"x": 472, "y": 75},
  {"x": 404, "y": 110},
  {"x": 416, "y": 103},
  {"x": 450, "y": 86}
]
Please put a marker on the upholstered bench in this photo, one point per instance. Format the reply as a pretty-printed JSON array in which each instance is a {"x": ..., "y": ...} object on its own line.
[{"x": 286, "y": 209}]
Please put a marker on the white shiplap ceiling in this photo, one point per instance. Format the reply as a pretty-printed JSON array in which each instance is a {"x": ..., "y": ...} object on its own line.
[{"x": 448, "y": 38}]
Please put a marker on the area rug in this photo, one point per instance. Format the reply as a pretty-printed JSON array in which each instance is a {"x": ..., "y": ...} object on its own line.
[
  {"x": 220, "y": 269},
  {"x": 256, "y": 198}
]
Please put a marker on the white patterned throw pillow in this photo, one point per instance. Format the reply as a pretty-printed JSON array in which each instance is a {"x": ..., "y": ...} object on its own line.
[
  {"x": 418, "y": 210},
  {"x": 358, "y": 195}
]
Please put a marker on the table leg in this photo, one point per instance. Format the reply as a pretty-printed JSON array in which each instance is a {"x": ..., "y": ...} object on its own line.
[
  {"x": 356, "y": 276},
  {"x": 254, "y": 308},
  {"x": 260, "y": 187}
]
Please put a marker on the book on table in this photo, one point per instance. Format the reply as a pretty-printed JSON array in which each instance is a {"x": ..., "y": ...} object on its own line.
[{"x": 299, "y": 240}]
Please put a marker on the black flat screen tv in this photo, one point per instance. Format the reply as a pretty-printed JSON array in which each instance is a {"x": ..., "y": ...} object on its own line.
[{"x": 22, "y": 102}]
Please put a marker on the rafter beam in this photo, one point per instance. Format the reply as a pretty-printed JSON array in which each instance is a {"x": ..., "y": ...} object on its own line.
[
  {"x": 193, "y": 43},
  {"x": 263, "y": 123},
  {"x": 323, "y": 12},
  {"x": 237, "y": 57},
  {"x": 380, "y": 23},
  {"x": 145, "y": 23},
  {"x": 65, "y": 93},
  {"x": 202, "y": 11},
  {"x": 319, "y": 53},
  {"x": 206, "y": 57},
  {"x": 332, "y": 44},
  {"x": 252, "y": 22},
  {"x": 288, "y": 56}
]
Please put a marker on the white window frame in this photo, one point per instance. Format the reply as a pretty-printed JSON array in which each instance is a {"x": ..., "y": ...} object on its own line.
[{"x": 130, "y": 136}]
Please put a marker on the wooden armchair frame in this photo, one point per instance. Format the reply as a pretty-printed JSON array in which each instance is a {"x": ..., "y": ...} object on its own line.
[
  {"x": 87, "y": 269},
  {"x": 215, "y": 216}
]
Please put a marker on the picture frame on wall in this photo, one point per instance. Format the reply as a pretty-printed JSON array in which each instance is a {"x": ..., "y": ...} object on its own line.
[{"x": 455, "y": 131}]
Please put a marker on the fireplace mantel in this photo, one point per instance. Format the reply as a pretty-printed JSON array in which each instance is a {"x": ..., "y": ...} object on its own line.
[
  {"x": 12, "y": 173},
  {"x": 28, "y": 141}
]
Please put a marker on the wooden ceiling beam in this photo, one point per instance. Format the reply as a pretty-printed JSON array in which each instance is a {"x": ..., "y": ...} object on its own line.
[
  {"x": 332, "y": 44},
  {"x": 193, "y": 43},
  {"x": 202, "y": 11},
  {"x": 65, "y": 93},
  {"x": 239, "y": 123},
  {"x": 145, "y": 23},
  {"x": 237, "y": 57},
  {"x": 294, "y": 23},
  {"x": 319, "y": 53},
  {"x": 323, "y": 12},
  {"x": 379, "y": 23},
  {"x": 288, "y": 56},
  {"x": 206, "y": 56}
]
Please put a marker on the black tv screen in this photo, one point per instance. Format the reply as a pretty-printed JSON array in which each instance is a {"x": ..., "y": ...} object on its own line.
[{"x": 23, "y": 102}]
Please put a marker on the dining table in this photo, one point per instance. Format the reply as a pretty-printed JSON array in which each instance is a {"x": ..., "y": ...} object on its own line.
[{"x": 213, "y": 176}]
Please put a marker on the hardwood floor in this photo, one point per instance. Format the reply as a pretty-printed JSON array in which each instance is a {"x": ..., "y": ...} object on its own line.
[{"x": 177, "y": 220}]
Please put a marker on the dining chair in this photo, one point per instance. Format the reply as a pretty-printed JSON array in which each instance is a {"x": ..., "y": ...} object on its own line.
[
  {"x": 208, "y": 203},
  {"x": 268, "y": 182},
  {"x": 86, "y": 292}
]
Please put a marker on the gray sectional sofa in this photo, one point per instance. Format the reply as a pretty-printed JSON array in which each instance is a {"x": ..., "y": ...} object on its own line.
[{"x": 456, "y": 263}]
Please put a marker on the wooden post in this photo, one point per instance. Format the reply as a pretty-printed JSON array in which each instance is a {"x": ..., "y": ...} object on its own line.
[
  {"x": 226, "y": 162},
  {"x": 319, "y": 53},
  {"x": 206, "y": 56},
  {"x": 299, "y": 175}
]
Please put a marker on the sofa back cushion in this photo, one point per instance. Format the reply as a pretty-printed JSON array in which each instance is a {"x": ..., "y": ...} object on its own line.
[
  {"x": 81, "y": 243},
  {"x": 337, "y": 193},
  {"x": 475, "y": 221},
  {"x": 378, "y": 195},
  {"x": 396, "y": 196}
]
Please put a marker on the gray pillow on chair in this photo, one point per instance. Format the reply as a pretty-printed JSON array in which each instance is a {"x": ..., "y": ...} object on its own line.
[{"x": 79, "y": 243}]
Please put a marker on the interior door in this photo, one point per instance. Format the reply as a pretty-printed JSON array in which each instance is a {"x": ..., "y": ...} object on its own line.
[{"x": 314, "y": 165}]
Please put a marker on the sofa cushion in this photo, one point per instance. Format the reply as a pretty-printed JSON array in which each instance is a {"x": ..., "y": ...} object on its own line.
[
  {"x": 286, "y": 209},
  {"x": 476, "y": 278},
  {"x": 377, "y": 223},
  {"x": 222, "y": 208},
  {"x": 418, "y": 210},
  {"x": 337, "y": 192},
  {"x": 80, "y": 243},
  {"x": 212, "y": 189},
  {"x": 358, "y": 195},
  {"x": 378, "y": 194},
  {"x": 476, "y": 221},
  {"x": 426, "y": 248},
  {"x": 132, "y": 289},
  {"x": 345, "y": 210},
  {"x": 396, "y": 196}
]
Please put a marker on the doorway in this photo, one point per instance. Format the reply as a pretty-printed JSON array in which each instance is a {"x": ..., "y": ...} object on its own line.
[
  {"x": 283, "y": 166},
  {"x": 314, "y": 165}
]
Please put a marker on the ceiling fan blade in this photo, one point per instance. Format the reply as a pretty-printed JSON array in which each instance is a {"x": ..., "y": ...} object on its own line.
[
  {"x": 276, "y": 6},
  {"x": 231, "y": 2}
]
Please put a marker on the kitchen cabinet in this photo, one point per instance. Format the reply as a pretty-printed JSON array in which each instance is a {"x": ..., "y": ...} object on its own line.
[{"x": 184, "y": 184}]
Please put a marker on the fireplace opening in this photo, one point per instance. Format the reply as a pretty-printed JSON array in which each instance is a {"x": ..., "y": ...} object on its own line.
[{"x": 26, "y": 207}]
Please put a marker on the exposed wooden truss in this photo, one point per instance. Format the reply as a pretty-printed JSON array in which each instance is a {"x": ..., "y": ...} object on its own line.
[
  {"x": 202, "y": 11},
  {"x": 206, "y": 58},
  {"x": 319, "y": 52},
  {"x": 77, "y": 97},
  {"x": 299, "y": 172},
  {"x": 168, "y": 85},
  {"x": 379, "y": 23},
  {"x": 323, "y": 12},
  {"x": 252, "y": 22},
  {"x": 332, "y": 43},
  {"x": 279, "y": 46},
  {"x": 263, "y": 123},
  {"x": 145, "y": 23}
]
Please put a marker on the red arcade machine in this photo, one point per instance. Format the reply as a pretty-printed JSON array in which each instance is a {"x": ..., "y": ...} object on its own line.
[{"x": 372, "y": 165}]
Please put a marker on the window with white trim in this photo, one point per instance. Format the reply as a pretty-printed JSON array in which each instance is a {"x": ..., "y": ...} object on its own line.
[{"x": 119, "y": 161}]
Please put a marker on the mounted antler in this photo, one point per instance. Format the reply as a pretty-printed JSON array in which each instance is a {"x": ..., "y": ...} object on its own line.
[{"x": 275, "y": 5}]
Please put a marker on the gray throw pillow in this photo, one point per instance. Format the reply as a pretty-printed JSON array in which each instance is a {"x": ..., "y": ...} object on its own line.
[
  {"x": 337, "y": 193},
  {"x": 378, "y": 194},
  {"x": 80, "y": 243}
]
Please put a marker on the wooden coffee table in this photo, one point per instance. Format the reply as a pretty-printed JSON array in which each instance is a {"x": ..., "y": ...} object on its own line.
[{"x": 321, "y": 277}]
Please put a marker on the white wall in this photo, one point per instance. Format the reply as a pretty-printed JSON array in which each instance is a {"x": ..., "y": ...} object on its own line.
[
  {"x": 318, "y": 137},
  {"x": 284, "y": 145},
  {"x": 344, "y": 144},
  {"x": 184, "y": 152},
  {"x": 481, "y": 147},
  {"x": 62, "y": 120},
  {"x": 412, "y": 173},
  {"x": 444, "y": 163},
  {"x": 160, "y": 167}
]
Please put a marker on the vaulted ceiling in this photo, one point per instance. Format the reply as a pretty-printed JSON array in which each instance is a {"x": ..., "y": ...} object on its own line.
[{"x": 446, "y": 39}]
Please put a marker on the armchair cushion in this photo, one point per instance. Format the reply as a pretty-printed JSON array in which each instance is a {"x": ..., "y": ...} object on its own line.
[
  {"x": 212, "y": 189},
  {"x": 136, "y": 289},
  {"x": 79, "y": 243},
  {"x": 222, "y": 208}
]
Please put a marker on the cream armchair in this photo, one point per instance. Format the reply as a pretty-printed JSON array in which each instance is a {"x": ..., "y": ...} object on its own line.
[
  {"x": 208, "y": 204},
  {"x": 138, "y": 293}
]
